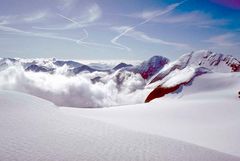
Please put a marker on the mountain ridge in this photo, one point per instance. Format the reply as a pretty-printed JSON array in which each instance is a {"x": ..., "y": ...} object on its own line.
[{"x": 151, "y": 79}]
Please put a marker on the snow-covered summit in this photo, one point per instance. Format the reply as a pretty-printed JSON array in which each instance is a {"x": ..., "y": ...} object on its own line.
[
  {"x": 183, "y": 71},
  {"x": 216, "y": 62},
  {"x": 122, "y": 65},
  {"x": 150, "y": 67}
]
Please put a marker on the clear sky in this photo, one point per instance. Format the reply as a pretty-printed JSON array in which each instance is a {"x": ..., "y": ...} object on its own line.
[{"x": 117, "y": 29}]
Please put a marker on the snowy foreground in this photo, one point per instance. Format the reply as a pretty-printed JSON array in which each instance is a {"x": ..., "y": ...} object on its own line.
[{"x": 203, "y": 125}]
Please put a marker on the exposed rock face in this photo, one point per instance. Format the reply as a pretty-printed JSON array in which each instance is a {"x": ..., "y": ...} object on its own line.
[
  {"x": 70, "y": 63},
  {"x": 83, "y": 68},
  {"x": 37, "y": 68},
  {"x": 122, "y": 65},
  {"x": 150, "y": 67},
  {"x": 213, "y": 61},
  {"x": 164, "y": 89},
  {"x": 164, "y": 76},
  {"x": 200, "y": 62}
]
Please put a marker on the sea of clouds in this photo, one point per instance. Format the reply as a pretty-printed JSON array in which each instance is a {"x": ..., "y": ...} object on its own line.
[{"x": 118, "y": 88}]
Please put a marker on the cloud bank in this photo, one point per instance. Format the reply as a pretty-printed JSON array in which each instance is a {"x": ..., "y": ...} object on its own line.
[{"x": 76, "y": 90}]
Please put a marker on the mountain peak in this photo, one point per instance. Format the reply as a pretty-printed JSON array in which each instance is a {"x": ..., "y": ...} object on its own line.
[
  {"x": 122, "y": 65},
  {"x": 150, "y": 67},
  {"x": 217, "y": 62}
]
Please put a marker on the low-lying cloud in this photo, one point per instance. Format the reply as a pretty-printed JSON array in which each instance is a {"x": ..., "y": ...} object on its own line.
[{"x": 118, "y": 88}]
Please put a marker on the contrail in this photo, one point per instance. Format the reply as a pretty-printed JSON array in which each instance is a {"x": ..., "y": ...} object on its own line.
[
  {"x": 81, "y": 42},
  {"x": 66, "y": 18},
  {"x": 51, "y": 36},
  {"x": 74, "y": 24},
  {"x": 86, "y": 35},
  {"x": 159, "y": 13}
]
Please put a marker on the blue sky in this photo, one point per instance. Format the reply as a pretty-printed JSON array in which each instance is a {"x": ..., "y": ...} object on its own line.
[{"x": 109, "y": 29}]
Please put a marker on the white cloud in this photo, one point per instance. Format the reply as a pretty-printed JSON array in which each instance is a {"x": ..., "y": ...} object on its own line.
[
  {"x": 149, "y": 17},
  {"x": 115, "y": 39},
  {"x": 87, "y": 18},
  {"x": 3, "y": 22},
  {"x": 90, "y": 15},
  {"x": 93, "y": 13},
  {"x": 76, "y": 91},
  {"x": 141, "y": 36},
  {"x": 36, "y": 16},
  {"x": 224, "y": 40},
  {"x": 47, "y": 35},
  {"x": 66, "y": 4},
  {"x": 13, "y": 30},
  {"x": 10, "y": 29},
  {"x": 195, "y": 18},
  {"x": 24, "y": 18},
  {"x": 86, "y": 35}
]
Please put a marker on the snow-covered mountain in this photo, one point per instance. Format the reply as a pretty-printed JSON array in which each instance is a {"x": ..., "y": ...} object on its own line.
[
  {"x": 150, "y": 67},
  {"x": 214, "y": 62},
  {"x": 122, "y": 65},
  {"x": 184, "y": 70},
  {"x": 201, "y": 124},
  {"x": 63, "y": 80},
  {"x": 37, "y": 68}
]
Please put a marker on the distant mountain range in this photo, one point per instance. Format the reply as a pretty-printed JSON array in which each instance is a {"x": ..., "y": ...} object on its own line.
[{"x": 159, "y": 73}]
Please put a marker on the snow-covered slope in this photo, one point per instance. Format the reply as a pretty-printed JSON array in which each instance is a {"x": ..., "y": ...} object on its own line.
[
  {"x": 33, "y": 129},
  {"x": 185, "y": 69},
  {"x": 214, "y": 62},
  {"x": 207, "y": 113},
  {"x": 197, "y": 121},
  {"x": 173, "y": 81}
]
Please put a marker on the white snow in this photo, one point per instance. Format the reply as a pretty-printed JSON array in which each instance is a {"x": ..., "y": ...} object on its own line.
[
  {"x": 214, "y": 62},
  {"x": 177, "y": 77},
  {"x": 33, "y": 129},
  {"x": 207, "y": 114},
  {"x": 65, "y": 81},
  {"x": 198, "y": 122}
]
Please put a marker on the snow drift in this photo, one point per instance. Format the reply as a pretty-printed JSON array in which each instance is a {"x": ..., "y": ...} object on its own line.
[
  {"x": 206, "y": 113},
  {"x": 33, "y": 129}
]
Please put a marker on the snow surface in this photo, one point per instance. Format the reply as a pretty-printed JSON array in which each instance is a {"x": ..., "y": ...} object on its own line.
[
  {"x": 34, "y": 129},
  {"x": 205, "y": 113},
  {"x": 199, "y": 121},
  {"x": 202, "y": 59}
]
